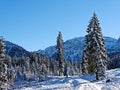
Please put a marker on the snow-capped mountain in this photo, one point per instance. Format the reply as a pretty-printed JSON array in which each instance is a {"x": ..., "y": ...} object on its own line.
[
  {"x": 118, "y": 42},
  {"x": 73, "y": 48},
  {"x": 15, "y": 50}
]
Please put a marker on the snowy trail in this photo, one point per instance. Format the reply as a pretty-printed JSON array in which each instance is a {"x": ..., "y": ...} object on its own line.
[{"x": 88, "y": 86}]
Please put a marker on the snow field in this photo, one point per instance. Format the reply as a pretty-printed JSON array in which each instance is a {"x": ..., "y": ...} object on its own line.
[{"x": 75, "y": 83}]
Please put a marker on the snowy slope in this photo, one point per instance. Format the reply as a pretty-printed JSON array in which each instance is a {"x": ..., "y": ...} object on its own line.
[
  {"x": 74, "y": 83},
  {"x": 73, "y": 48},
  {"x": 15, "y": 50}
]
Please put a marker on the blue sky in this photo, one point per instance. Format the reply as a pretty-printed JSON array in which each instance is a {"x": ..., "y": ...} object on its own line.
[{"x": 34, "y": 24}]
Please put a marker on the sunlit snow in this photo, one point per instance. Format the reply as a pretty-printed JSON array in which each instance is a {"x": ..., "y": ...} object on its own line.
[{"x": 73, "y": 83}]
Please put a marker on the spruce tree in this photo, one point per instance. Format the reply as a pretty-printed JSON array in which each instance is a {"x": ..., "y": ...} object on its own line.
[
  {"x": 3, "y": 66},
  {"x": 60, "y": 51},
  {"x": 84, "y": 63},
  {"x": 96, "y": 56}
]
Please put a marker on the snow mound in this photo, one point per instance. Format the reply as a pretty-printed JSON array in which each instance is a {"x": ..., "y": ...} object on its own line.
[{"x": 88, "y": 86}]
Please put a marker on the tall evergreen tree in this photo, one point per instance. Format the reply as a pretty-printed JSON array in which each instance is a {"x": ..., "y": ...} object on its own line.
[
  {"x": 95, "y": 55},
  {"x": 3, "y": 66},
  {"x": 60, "y": 50},
  {"x": 84, "y": 63}
]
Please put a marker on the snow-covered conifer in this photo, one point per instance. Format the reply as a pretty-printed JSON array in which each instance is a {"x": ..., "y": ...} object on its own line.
[
  {"x": 84, "y": 63},
  {"x": 60, "y": 50},
  {"x": 3, "y": 66},
  {"x": 95, "y": 49}
]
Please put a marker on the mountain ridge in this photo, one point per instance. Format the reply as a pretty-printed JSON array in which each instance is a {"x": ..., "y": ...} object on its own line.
[
  {"x": 15, "y": 50},
  {"x": 73, "y": 48}
]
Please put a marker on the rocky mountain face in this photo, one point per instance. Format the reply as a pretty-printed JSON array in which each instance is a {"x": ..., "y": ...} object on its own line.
[
  {"x": 118, "y": 43},
  {"x": 73, "y": 48},
  {"x": 15, "y": 50}
]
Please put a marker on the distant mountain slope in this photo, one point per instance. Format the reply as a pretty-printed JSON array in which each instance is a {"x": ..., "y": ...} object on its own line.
[
  {"x": 73, "y": 48},
  {"x": 15, "y": 50}
]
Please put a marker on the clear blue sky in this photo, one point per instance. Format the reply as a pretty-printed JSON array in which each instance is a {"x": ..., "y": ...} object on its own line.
[{"x": 34, "y": 24}]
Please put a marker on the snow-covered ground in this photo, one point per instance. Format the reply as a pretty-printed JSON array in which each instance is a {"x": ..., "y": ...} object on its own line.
[{"x": 74, "y": 83}]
